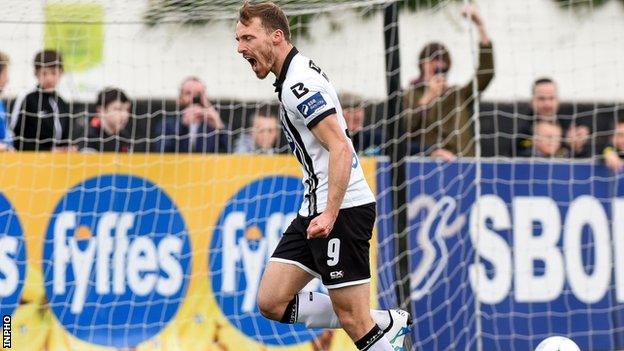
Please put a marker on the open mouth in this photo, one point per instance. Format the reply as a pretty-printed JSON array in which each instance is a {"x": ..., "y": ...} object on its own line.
[{"x": 252, "y": 61}]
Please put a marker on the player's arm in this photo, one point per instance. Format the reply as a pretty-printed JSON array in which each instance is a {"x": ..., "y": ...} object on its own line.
[{"x": 331, "y": 136}]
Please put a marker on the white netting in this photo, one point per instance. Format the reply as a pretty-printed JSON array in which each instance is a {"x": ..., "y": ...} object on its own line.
[
  {"x": 163, "y": 251},
  {"x": 159, "y": 251},
  {"x": 512, "y": 243}
]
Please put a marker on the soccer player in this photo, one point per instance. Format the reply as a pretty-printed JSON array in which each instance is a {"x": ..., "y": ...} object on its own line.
[{"x": 329, "y": 239}]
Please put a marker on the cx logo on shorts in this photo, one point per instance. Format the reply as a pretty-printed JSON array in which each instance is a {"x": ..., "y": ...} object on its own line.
[
  {"x": 247, "y": 231},
  {"x": 116, "y": 261}
]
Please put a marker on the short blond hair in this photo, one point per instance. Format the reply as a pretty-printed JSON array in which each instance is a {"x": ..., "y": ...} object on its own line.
[{"x": 271, "y": 16}]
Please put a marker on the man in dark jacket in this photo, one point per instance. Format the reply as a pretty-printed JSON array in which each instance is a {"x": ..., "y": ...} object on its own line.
[
  {"x": 41, "y": 118},
  {"x": 106, "y": 130},
  {"x": 545, "y": 108},
  {"x": 437, "y": 116},
  {"x": 196, "y": 128}
]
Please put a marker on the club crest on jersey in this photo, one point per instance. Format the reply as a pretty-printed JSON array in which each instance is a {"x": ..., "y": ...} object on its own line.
[{"x": 313, "y": 104}]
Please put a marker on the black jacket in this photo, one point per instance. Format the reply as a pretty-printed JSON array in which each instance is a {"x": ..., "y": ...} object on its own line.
[
  {"x": 174, "y": 136},
  {"x": 98, "y": 140},
  {"x": 40, "y": 120}
]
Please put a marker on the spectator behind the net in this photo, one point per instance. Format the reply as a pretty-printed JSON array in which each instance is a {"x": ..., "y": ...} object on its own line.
[
  {"x": 195, "y": 127},
  {"x": 366, "y": 141},
  {"x": 613, "y": 154},
  {"x": 6, "y": 140},
  {"x": 41, "y": 118},
  {"x": 106, "y": 130},
  {"x": 262, "y": 138},
  {"x": 545, "y": 107},
  {"x": 438, "y": 116},
  {"x": 547, "y": 141}
]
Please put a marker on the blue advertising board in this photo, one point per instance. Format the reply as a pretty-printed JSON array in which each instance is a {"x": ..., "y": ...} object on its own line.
[{"x": 534, "y": 249}]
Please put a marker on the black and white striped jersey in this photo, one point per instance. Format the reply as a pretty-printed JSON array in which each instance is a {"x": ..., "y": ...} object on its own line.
[{"x": 306, "y": 97}]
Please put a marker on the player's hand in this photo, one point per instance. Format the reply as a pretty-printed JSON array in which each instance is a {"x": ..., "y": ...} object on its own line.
[
  {"x": 321, "y": 226},
  {"x": 443, "y": 154}
]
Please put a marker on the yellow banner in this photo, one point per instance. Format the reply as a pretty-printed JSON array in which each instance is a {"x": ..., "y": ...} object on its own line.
[{"x": 147, "y": 252}]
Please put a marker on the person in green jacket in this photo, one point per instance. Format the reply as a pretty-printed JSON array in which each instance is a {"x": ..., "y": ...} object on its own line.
[{"x": 437, "y": 117}]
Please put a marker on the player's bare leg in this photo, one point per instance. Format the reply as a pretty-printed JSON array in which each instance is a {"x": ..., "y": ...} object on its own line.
[
  {"x": 280, "y": 282},
  {"x": 351, "y": 305}
]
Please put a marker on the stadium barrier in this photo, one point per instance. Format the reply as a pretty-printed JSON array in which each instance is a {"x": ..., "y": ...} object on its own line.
[
  {"x": 164, "y": 252},
  {"x": 146, "y": 252},
  {"x": 504, "y": 253}
]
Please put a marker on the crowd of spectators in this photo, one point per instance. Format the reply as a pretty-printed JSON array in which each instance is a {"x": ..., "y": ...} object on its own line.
[{"x": 437, "y": 118}]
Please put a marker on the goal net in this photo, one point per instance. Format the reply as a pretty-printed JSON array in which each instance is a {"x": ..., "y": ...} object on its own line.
[
  {"x": 515, "y": 239},
  {"x": 497, "y": 221}
]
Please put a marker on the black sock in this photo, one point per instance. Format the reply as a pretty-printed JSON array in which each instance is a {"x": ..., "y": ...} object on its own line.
[
  {"x": 370, "y": 338},
  {"x": 290, "y": 314}
]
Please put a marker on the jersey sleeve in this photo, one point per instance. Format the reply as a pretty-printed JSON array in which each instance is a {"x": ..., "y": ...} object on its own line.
[{"x": 309, "y": 100}]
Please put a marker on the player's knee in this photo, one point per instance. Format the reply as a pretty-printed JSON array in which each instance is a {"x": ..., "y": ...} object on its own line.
[{"x": 270, "y": 307}]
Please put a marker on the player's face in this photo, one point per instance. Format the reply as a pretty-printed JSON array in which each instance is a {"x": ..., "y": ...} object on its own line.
[
  {"x": 256, "y": 46},
  {"x": 545, "y": 100}
]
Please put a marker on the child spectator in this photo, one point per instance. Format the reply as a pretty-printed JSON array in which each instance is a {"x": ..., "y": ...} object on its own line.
[
  {"x": 106, "y": 130},
  {"x": 6, "y": 140},
  {"x": 547, "y": 137},
  {"x": 263, "y": 137},
  {"x": 40, "y": 118}
]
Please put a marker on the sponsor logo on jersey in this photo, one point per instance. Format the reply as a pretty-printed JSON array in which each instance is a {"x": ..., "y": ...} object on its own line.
[
  {"x": 247, "y": 232},
  {"x": 12, "y": 258},
  {"x": 354, "y": 161},
  {"x": 116, "y": 260},
  {"x": 312, "y": 105}
]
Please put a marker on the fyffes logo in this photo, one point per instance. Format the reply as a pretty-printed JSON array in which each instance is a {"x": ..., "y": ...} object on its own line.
[
  {"x": 12, "y": 258},
  {"x": 116, "y": 260},
  {"x": 248, "y": 230}
]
